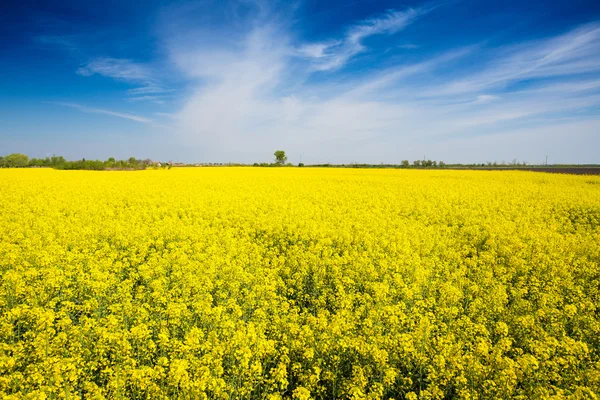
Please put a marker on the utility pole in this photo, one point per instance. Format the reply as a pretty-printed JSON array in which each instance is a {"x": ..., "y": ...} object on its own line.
[{"x": 546, "y": 161}]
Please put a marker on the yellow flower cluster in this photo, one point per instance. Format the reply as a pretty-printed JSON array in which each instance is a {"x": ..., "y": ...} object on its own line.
[{"x": 254, "y": 283}]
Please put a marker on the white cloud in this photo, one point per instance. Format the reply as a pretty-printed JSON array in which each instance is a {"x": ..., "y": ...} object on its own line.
[
  {"x": 381, "y": 83},
  {"x": 317, "y": 50},
  {"x": 115, "y": 68},
  {"x": 580, "y": 85},
  {"x": 388, "y": 23},
  {"x": 152, "y": 99},
  {"x": 333, "y": 54},
  {"x": 253, "y": 95},
  {"x": 575, "y": 52},
  {"x": 149, "y": 89},
  {"x": 485, "y": 98},
  {"x": 130, "y": 72},
  {"x": 92, "y": 110}
]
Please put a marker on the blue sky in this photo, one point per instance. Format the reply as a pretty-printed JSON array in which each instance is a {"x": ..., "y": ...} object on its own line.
[{"x": 348, "y": 81}]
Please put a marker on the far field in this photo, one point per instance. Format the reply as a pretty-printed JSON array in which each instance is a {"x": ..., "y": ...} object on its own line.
[{"x": 269, "y": 283}]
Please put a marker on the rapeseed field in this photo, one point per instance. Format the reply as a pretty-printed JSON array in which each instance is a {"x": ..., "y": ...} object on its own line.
[{"x": 270, "y": 283}]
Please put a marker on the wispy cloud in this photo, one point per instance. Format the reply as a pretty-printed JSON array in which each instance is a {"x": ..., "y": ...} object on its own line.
[
  {"x": 318, "y": 50},
  {"x": 485, "y": 99},
  {"x": 251, "y": 98},
  {"x": 333, "y": 54},
  {"x": 408, "y": 46},
  {"x": 149, "y": 89},
  {"x": 252, "y": 84},
  {"x": 131, "y": 72},
  {"x": 58, "y": 40},
  {"x": 388, "y": 23},
  {"x": 152, "y": 99},
  {"x": 581, "y": 85},
  {"x": 115, "y": 68},
  {"x": 575, "y": 52},
  {"x": 385, "y": 83},
  {"x": 92, "y": 110}
]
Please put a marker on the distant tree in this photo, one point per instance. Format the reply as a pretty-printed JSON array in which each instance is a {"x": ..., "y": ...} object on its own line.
[
  {"x": 417, "y": 163},
  {"x": 56, "y": 161},
  {"x": 111, "y": 159},
  {"x": 16, "y": 160},
  {"x": 441, "y": 164},
  {"x": 132, "y": 160},
  {"x": 405, "y": 163},
  {"x": 280, "y": 157},
  {"x": 301, "y": 164}
]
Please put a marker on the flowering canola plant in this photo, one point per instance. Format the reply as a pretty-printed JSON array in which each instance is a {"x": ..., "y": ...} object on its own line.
[{"x": 276, "y": 283}]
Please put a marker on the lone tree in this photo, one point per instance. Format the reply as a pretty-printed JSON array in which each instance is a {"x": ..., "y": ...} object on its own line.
[{"x": 280, "y": 157}]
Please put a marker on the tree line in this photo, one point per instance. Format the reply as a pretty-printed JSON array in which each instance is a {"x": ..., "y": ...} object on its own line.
[{"x": 17, "y": 160}]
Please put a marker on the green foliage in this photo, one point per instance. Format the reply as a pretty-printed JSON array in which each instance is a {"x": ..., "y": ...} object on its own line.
[
  {"x": 280, "y": 157},
  {"x": 59, "y": 162},
  {"x": 95, "y": 165},
  {"x": 15, "y": 160}
]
